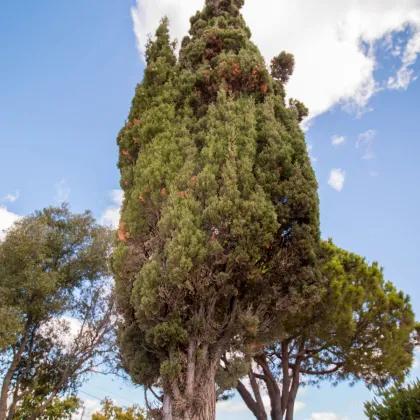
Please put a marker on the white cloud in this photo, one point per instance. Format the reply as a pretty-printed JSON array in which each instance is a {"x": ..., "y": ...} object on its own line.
[
  {"x": 365, "y": 141},
  {"x": 62, "y": 191},
  {"x": 405, "y": 74},
  {"x": 336, "y": 179},
  {"x": 310, "y": 147},
  {"x": 11, "y": 198},
  {"x": 338, "y": 141},
  {"x": 231, "y": 406},
  {"x": 333, "y": 41},
  {"x": 374, "y": 173},
  {"x": 327, "y": 416},
  {"x": 416, "y": 361},
  {"x": 7, "y": 219},
  {"x": 237, "y": 406},
  {"x": 299, "y": 406},
  {"x": 111, "y": 215},
  {"x": 91, "y": 406},
  {"x": 67, "y": 328}
]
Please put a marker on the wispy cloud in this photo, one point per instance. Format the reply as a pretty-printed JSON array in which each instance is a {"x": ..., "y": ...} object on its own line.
[
  {"x": 405, "y": 75},
  {"x": 111, "y": 215},
  {"x": 90, "y": 407},
  {"x": 236, "y": 405},
  {"x": 416, "y": 363},
  {"x": 62, "y": 191},
  {"x": 7, "y": 219},
  {"x": 11, "y": 198},
  {"x": 338, "y": 141},
  {"x": 336, "y": 179},
  {"x": 312, "y": 157},
  {"x": 327, "y": 416},
  {"x": 231, "y": 406},
  {"x": 365, "y": 142}
]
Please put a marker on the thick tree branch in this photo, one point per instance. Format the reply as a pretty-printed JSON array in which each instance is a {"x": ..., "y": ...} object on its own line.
[
  {"x": 249, "y": 401},
  {"x": 257, "y": 393}
]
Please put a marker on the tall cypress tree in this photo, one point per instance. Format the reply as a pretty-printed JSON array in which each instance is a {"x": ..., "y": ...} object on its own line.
[{"x": 219, "y": 226}]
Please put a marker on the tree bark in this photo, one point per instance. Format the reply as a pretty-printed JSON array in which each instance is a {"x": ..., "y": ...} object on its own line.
[
  {"x": 291, "y": 402},
  {"x": 10, "y": 372},
  {"x": 167, "y": 406},
  {"x": 286, "y": 378},
  {"x": 250, "y": 402},
  {"x": 206, "y": 409},
  {"x": 292, "y": 393},
  {"x": 272, "y": 388},
  {"x": 257, "y": 393}
]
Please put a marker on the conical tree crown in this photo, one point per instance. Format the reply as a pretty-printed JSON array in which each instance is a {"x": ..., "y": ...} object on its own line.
[
  {"x": 150, "y": 105},
  {"x": 220, "y": 223},
  {"x": 219, "y": 52}
]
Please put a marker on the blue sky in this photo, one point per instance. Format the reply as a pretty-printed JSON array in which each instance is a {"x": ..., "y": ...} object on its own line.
[{"x": 67, "y": 76}]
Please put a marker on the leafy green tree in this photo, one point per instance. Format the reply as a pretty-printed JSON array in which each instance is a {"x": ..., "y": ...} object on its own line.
[
  {"x": 397, "y": 402},
  {"x": 10, "y": 326},
  {"x": 59, "y": 409},
  {"x": 110, "y": 411},
  {"x": 282, "y": 66},
  {"x": 219, "y": 226},
  {"x": 362, "y": 329},
  {"x": 53, "y": 269},
  {"x": 301, "y": 110}
]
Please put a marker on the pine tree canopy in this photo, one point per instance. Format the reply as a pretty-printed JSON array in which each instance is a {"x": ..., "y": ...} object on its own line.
[
  {"x": 362, "y": 328},
  {"x": 220, "y": 226},
  {"x": 397, "y": 402}
]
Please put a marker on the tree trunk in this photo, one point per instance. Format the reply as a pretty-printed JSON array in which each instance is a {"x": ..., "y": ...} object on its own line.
[
  {"x": 167, "y": 406},
  {"x": 293, "y": 390},
  {"x": 291, "y": 402},
  {"x": 272, "y": 388},
  {"x": 206, "y": 409},
  {"x": 10, "y": 372},
  {"x": 290, "y": 408}
]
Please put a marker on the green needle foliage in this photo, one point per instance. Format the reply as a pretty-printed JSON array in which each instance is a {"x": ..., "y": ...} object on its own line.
[
  {"x": 363, "y": 328},
  {"x": 220, "y": 225},
  {"x": 396, "y": 403}
]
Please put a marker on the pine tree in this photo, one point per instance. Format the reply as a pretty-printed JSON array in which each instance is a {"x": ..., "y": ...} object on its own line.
[
  {"x": 363, "y": 328},
  {"x": 219, "y": 226},
  {"x": 397, "y": 402}
]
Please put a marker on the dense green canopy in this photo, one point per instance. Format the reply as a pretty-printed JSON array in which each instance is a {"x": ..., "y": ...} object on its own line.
[
  {"x": 53, "y": 265},
  {"x": 397, "y": 402},
  {"x": 219, "y": 226},
  {"x": 363, "y": 328}
]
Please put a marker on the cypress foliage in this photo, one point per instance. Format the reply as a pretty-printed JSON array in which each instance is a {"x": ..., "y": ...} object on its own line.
[{"x": 220, "y": 225}]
